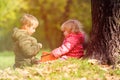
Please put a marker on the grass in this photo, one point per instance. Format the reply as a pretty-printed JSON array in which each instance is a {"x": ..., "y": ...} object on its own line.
[
  {"x": 71, "y": 69},
  {"x": 6, "y": 59}
]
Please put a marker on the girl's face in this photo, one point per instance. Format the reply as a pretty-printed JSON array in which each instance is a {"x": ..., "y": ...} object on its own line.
[{"x": 66, "y": 32}]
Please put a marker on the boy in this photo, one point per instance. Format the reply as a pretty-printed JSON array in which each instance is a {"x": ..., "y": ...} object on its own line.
[{"x": 25, "y": 46}]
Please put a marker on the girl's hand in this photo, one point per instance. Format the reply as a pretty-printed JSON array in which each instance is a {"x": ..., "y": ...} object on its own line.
[{"x": 56, "y": 53}]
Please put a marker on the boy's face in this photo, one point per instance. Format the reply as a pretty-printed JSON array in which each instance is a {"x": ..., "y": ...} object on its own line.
[{"x": 31, "y": 29}]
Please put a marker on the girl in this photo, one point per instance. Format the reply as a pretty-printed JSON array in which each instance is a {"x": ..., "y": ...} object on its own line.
[{"x": 72, "y": 46}]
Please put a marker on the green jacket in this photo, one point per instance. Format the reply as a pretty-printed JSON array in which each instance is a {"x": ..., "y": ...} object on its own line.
[{"x": 25, "y": 48}]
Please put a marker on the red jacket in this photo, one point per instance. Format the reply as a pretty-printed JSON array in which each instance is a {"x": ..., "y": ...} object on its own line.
[{"x": 72, "y": 46}]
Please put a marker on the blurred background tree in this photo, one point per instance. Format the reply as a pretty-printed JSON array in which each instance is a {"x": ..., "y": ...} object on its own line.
[
  {"x": 50, "y": 13},
  {"x": 10, "y": 12}
]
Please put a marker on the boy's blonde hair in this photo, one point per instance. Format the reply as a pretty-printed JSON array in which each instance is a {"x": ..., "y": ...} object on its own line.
[
  {"x": 73, "y": 25},
  {"x": 29, "y": 20}
]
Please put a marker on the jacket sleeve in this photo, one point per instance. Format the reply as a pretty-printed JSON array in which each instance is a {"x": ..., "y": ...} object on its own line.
[
  {"x": 29, "y": 49},
  {"x": 67, "y": 45}
]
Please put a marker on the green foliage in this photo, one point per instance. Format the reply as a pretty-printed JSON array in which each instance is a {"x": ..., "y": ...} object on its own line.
[{"x": 9, "y": 13}]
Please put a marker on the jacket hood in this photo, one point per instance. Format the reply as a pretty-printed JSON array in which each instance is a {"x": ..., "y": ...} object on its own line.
[{"x": 17, "y": 33}]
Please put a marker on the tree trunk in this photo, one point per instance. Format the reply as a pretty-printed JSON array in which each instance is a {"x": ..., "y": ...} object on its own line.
[
  {"x": 104, "y": 44},
  {"x": 67, "y": 10}
]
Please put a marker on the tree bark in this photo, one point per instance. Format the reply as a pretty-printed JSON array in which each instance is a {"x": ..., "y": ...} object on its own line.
[{"x": 104, "y": 44}]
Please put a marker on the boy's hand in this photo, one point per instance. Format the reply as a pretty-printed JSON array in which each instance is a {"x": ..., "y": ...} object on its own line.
[
  {"x": 35, "y": 60},
  {"x": 40, "y": 45}
]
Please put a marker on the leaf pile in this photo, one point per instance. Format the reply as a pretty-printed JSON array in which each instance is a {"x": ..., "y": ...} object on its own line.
[{"x": 71, "y": 69}]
